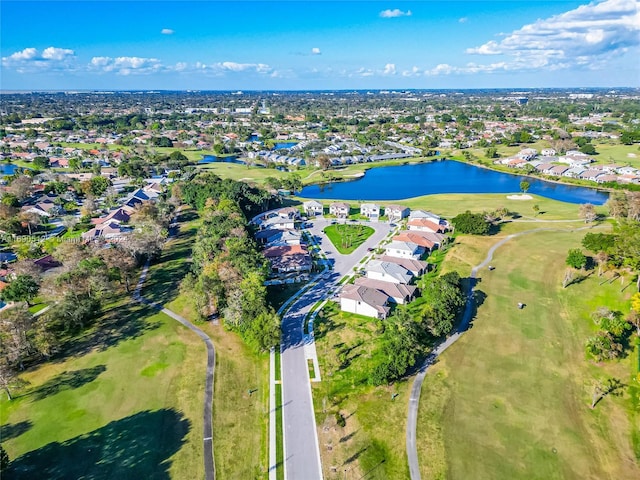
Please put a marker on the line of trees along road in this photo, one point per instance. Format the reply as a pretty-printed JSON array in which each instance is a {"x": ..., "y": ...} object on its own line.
[{"x": 228, "y": 270}]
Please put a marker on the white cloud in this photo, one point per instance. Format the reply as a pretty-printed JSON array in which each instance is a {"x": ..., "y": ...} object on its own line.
[
  {"x": 166, "y": 31},
  {"x": 468, "y": 69},
  {"x": 589, "y": 34},
  {"x": 316, "y": 51},
  {"x": 396, "y": 12},
  {"x": 463, "y": 20},
  {"x": 126, "y": 65},
  {"x": 30, "y": 60},
  {"x": 53, "y": 53},
  {"x": 414, "y": 72},
  {"x": 26, "y": 54},
  {"x": 389, "y": 69}
]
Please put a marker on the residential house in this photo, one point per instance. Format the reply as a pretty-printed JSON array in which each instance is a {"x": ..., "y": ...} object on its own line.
[
  {"x": 404, "y": 250},
  {"x": 119, "y": 215},
  {"x": 425, "y": 225},
  {"x": 395, "y": 213},
  {"x": 339, "y": 209},
  {"x": 424, "y": 214},
  {"x": 365, "y": 301},
  {"x": 284, "y": 237},
  {"x": 44, "y": 208},
  {"x": 415, "y": 267},
  {"x": 413, "y": 237},
  {"x": 371, "y": 211},
  {"x": 388, "y": 272},
  {"x": 313, "y": 208},
  {"x": 397, "y": 292},
  {"x": 111, "y": 230}
]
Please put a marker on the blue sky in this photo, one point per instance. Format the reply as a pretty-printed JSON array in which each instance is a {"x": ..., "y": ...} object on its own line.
[{"x": 318, "y": 44}]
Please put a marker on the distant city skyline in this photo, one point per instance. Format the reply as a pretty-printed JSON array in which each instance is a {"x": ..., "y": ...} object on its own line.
[{"x": 291, "y": 45}]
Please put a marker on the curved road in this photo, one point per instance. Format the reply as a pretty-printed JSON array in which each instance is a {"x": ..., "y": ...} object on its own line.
[
  {"x": 301, "y": 450},
  {"x": 209, "y": 465},
  {"x": 414, "y": 398}
]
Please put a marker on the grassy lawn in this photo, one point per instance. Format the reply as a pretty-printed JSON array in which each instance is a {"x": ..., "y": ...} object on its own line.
[
  {"x": 236, "y": 171},
  {"x": 124, "y": 402},
  {"x": 240, "y": 420},
  {"x": 126, "y": 398},
  {"x": 372, "y": 441},
  {"x": 511, "y": 398},
  {"x": 346, "y": 238}
]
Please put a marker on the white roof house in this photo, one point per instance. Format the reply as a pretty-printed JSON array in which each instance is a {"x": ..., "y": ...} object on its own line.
[
  {"x": 388, "y": 272},
  {"x": 364, "y": 301},
  {"x": 404, "y": 250},
  {"x": 313, "y": 208},
  {"x": 370, "y": 210}
]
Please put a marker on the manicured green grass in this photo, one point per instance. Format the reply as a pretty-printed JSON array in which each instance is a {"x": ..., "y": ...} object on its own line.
[
  {"x": 279, "y": 435},
  {"x": 511, "y": 398},
  {"x": 235, "y": 171},
  {"x": 346, "y": 238},
  {"x": 125, "y": 402},
  {"x": 37, "y": 307},
  {"x": 372, "y": 441},
  {"x": 240, "y": 420}
]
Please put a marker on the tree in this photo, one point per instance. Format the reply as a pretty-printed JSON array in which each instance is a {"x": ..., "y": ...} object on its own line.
[
  {"x": 20, "y": 187},
  {"x": 603, "y": 346},
  {"x": 23, "y": 289},
  {"x": 576, "y": 259},
  {"x": 599, "y": 242},
  {"x": 471, "y": 223},
  {"x": 588, "y": 149},
  {"x": 618, "y": 205},
  {"x": 588, "y": 212},
  {"x": 491, "y": 152},
  {"x": 324, "y": 162},
  {"x": 524, "y": 186},
  {"x": 601, "y": 389},
  {"x": 41, "y": 163},
  {"x": 536, "y": 209},
  {"x": 4, "y": 459}
]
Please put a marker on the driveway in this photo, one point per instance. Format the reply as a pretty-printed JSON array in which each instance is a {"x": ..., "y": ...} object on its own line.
[{"x": 301, "y": 451}]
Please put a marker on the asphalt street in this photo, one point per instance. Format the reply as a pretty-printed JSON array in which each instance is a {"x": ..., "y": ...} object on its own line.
[{"x": 301, "y": 451}]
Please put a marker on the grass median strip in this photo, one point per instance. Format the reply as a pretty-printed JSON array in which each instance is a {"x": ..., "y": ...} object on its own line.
[{"x": 346, "y": 238}]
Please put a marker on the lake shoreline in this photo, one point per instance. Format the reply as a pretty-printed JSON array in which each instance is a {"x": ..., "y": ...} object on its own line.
[{"x": 442, "y": 175}]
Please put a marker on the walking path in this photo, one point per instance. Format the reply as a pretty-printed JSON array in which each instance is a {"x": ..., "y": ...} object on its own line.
[
  {"x": 414, "y": 398},
  {"x": 207, "y": 418}
]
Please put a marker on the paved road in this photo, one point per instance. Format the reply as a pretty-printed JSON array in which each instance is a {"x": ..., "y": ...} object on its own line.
[
  {"x": 301, "y": 451},
  {"x": 414, "y": 398}
]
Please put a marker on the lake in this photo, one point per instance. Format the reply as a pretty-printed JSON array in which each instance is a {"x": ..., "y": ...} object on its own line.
[
  {"x": 284, "y": 145},
  {"x": 214, "y": 159},
  {"x": 447, "y": 176},
  {"x": 8, "y": 168}
]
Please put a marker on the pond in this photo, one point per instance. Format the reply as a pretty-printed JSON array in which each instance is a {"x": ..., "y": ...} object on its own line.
[
  {"x": 214, "y": 159},
  {"x": 284, "y": 145},
  {"x": 8, "y": 168},
  {"x": 447, "y": 176}
]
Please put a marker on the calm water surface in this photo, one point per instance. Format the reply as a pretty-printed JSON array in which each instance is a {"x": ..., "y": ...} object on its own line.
[
  {"x": 8, "y": 168},
  {"x": 448, "y": 176}
]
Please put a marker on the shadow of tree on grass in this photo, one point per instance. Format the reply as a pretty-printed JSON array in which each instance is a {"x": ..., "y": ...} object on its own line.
[
  {"x": 135, "y": 447},
  {"x": 13, "y": 430},
  {"x": 67, "y": 381},
  {"x": 120, "y": 322}
]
